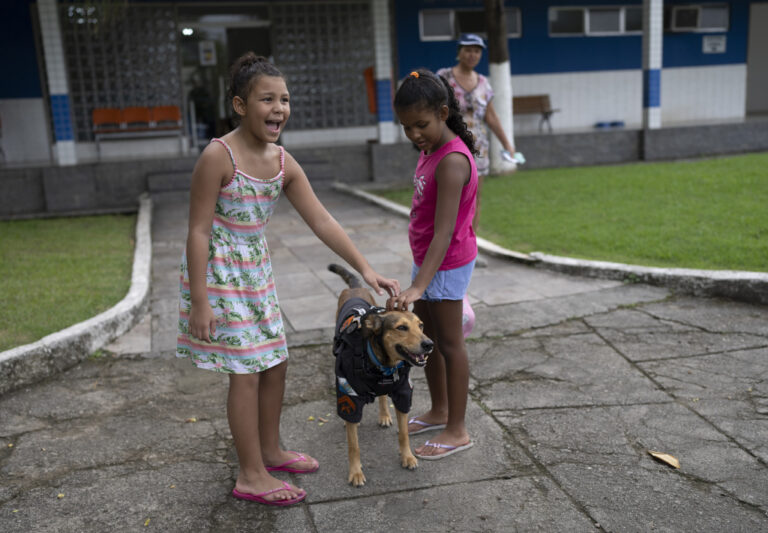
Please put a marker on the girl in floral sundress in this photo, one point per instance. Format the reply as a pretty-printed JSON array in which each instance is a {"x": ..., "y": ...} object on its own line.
[{"x": 229, "y": 318}]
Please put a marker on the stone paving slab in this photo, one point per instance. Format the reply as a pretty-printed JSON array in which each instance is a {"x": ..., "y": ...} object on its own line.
[
  {"x": 572, "y": 380},
  {"x": 516, "y": 504}
]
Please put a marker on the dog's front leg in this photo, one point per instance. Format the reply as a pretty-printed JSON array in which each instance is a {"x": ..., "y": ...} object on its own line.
[
  {"x": 356, "y": 476},
  {"x": 385, "y": 419},
  {"x": 407, "y": 459}
]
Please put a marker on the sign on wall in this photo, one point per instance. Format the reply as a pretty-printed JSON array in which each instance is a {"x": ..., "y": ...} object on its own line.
[
  {"x": 713, "y": 44},
  {"x": 207, "y": 53}
]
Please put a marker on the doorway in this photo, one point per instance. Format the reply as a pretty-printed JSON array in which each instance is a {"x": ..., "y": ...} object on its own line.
[
  {"x": 757, "y": 60},
  {"x": 211, "y": 39}
]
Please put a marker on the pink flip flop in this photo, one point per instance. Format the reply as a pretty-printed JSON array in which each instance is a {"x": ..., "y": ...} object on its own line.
[
  {"x": 450, "y": 450},
  {"x": 260, "y": 498},
  {"x": 286, "y": 467}
]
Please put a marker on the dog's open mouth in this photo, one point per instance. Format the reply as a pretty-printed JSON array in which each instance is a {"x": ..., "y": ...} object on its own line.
[{"x": 416, "y": 359}]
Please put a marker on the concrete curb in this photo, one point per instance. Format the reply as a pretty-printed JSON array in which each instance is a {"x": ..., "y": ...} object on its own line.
[
  {"x": 738, "y": 285},
  {"x": 735, "y": 284},
  {"x": 58, "y": 351}
]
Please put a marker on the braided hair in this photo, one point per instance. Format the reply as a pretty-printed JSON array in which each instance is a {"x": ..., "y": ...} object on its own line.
[
  {"x": 247, "y": 69},
  {"x": 427, "y": 90}
]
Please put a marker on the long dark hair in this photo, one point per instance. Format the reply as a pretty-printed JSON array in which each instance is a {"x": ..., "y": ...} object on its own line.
[
  {"x": 422, "y": 88},
  {"x": 248, "y": 68}
]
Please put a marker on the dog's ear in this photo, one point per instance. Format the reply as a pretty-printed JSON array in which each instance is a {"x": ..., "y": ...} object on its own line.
[{"x": 373, "y": 324}]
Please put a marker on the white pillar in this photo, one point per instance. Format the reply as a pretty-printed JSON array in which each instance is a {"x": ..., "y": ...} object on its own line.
[
  {"x": 58, "y": 88},
  {"x": 501, "y": 81},
  {"x": 653, "y": 32},
  {"x": 388, "y": 131}
]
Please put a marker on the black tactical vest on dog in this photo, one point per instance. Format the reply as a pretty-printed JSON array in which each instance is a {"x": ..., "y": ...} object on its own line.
[{"x": 359, "y": 380}]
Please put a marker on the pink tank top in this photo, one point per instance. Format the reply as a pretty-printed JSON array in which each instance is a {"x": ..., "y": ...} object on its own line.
[{"x": 463, "y": 247}]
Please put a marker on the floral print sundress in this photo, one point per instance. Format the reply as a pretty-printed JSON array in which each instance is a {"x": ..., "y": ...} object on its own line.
[
  {"x": 473, "y": 105},
  {"x": 250, "y": 336}
]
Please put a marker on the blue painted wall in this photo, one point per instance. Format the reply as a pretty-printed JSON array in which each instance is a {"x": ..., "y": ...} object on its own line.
[
  {"x": 18, "y": 60},
  {"x": 535, "y": 52}
]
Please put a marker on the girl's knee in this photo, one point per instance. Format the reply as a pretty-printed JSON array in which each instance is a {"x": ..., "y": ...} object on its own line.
[{"x": 244, "y": 380}]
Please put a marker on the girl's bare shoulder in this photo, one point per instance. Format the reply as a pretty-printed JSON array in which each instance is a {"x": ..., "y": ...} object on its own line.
[{"x": 215, "y": 161}]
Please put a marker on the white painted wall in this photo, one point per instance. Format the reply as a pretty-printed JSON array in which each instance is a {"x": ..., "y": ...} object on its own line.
[
  {"x": 141, "y": 147},
  {"x": 703, "y": 94},
  {"x": 25, "y": 137},
  {"x": 688, "y": 95},
  {"x": 584, "y": 98}
]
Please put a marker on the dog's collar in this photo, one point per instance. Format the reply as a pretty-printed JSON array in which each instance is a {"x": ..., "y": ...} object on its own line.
[{"x": 386, "y": 370}]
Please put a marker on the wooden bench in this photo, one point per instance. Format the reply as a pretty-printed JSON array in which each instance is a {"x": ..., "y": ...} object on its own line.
[
  {"x": 135, "y": 122},
  {"x": 534, "y": 104}
]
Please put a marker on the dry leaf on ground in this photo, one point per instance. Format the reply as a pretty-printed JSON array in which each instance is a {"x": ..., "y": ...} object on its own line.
[{"x": 671, "y": 460}]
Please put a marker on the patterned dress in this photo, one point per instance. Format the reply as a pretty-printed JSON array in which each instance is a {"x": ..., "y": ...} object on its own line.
[
  {"x": 250, "y": 336},
  {"x": 473, "y": 105}
]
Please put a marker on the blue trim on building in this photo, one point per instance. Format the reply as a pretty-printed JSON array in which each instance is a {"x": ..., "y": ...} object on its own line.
[
  {"x": 62, "y": 119},
  {"x": 384, "y": 100},
  {"x": 535, "y": 52},
  {"x": 652, "y": 88}
]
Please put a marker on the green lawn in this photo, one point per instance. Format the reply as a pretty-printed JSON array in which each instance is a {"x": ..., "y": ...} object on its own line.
[
  {"x": 710, "y": 214},
  {"x": 58, "y": 272}
]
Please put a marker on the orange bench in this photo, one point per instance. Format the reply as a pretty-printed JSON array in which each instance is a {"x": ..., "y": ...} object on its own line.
[
  {"x": 135, "y": 121},
  {"x": 534, "y": 104}
]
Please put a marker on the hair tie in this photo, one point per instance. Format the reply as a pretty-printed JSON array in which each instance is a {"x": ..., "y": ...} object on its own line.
[{"x": 414, "y": 74}]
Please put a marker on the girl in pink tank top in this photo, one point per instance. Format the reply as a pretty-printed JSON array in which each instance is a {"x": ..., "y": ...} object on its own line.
[{"x": 444, "y": 249}]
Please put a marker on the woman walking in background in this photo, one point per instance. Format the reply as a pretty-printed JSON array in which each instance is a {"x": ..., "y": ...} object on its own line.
[{"x": 475, "y": 96}]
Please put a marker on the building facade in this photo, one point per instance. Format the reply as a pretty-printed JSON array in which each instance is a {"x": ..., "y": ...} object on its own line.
[{"x": 62, "y": 60}]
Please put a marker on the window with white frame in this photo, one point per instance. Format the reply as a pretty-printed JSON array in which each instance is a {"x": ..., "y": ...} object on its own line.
[
  {"x": 696, "y": 18},
  {"x": 448, "y": 24},
  {"x": 595, "y": 21}
]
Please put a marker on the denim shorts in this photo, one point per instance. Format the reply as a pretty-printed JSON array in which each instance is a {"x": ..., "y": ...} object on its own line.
[{"x": 447, "y": 284}]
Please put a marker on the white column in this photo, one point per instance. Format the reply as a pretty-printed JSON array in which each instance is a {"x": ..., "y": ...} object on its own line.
[
  {"x": 653, "y": 33},
  {"x": 388, "y": 132},
  {"x": 501, "y": 81},
  {"x": 58, "y": 88}
]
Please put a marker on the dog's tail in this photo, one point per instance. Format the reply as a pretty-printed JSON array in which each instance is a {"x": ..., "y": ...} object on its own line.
[{"x": 352, "y": 280}]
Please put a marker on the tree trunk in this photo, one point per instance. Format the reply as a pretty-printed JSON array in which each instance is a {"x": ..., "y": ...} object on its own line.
[
  {"x": 498, "y": 57},
  {"x": 496, "y": 24}
]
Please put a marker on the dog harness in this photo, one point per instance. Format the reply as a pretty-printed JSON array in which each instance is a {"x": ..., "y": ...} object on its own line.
[{"x": 360, "y": 376}]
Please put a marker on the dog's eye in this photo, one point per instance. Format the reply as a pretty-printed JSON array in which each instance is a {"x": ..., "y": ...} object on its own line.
[
  {"x": 402, "y": 327},
  {"x": 421, "y": 327}
]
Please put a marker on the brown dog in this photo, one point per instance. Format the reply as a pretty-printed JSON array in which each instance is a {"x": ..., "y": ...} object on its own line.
[{"x": 374, "y": 351}]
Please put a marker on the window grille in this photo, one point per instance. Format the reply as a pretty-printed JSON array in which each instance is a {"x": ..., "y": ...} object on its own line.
[
  {"x": 118, "y": 54},
  {"x": 696, "y": 18},
  {"x": 595, "y": 21},
  {"x": 447, "y": 25},
  {"x": 323, "y": 50}
]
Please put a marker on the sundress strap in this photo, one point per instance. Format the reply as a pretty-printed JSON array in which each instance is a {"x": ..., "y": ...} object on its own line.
[
  {"x": 282, "y": 161},
  {"x": 231, "y": 155}
]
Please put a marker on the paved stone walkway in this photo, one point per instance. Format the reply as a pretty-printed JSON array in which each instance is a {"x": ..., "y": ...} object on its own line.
[{"x": 573, "y": 381}]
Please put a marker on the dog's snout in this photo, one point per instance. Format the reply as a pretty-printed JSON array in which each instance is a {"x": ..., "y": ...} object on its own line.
[{"x": 427, "y": 345}]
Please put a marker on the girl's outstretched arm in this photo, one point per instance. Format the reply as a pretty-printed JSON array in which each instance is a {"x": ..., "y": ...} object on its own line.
[
  {"x": 209, "y": 175},
  {"x": 452, "y": 174},
  {"x": 303, "y": 198}
]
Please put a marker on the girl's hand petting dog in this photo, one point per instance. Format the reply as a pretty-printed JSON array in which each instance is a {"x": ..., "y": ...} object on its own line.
[
  {"x": 402, "y": 301},
  {"x": 376, "y": 282}
]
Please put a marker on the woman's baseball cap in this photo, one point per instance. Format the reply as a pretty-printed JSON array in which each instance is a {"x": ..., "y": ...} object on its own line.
[{"x": 470, "y": 39}]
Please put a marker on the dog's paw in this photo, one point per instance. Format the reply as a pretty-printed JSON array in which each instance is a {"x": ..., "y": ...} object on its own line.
[
  {"x": 385, "y": 421},
  {"x": 356, "y": 478},
  {"x": 409, "y": 461}
]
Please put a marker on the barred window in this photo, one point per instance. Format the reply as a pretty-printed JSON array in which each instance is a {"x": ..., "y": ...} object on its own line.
[
  {"x": 118, "y": 55},
  {"x": 323, "y": 50}
]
